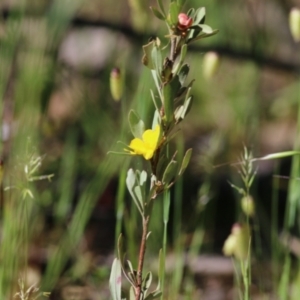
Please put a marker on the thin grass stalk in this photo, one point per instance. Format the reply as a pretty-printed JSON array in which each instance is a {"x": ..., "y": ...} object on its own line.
[
  {"x": 179, "y": 259},
  {"x": 274, "y": 227},
  {"x": 283, "y": 288},
  {"x": 166, "y": 211},
  {"x": 120, "y": 205},
  {"x": 131, "y": 219},
  {"x": 67, "y": 175},
  {"x": 293, "y": 202}
]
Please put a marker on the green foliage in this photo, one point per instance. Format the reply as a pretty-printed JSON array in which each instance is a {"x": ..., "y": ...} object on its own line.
[
  {"x": 136, "y": 124},
  {"x": 115, "y": 280}
]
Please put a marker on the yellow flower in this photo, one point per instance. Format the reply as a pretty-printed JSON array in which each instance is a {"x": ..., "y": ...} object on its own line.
[{"x": 147, "y": 145}]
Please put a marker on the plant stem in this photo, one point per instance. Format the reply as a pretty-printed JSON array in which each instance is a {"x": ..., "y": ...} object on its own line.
[{"x": 141, "y": 258}]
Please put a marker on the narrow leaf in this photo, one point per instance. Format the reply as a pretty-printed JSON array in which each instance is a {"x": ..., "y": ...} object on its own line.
[
  {"x": 199, "y": 15},
  {"x": 119, "y": 153},
  {"x": 178, "y": 113},
  {"x": 186, "y": 107},
  {"x": 156, "y": 119},
  {"x": 136, "y": 124},
  {"x": 191, "y": 12},
  {"x": 170, "y": 172},
  {"x": 147, "y": 282},
  {"x": 147, "y": 58},
  {"x": 156, "y": 57},
  {"x": 179, "y": 63},
  {"x": 115, "y": 280},
  {"x": 131, "y": 293},
  {"x": 131, "y": 183},
  {"x": 157, "y": 83},
  {"x": 202, "y": 36},
  {"x": 156, "y": 102},
  {"x": 277, "y": 155},
  {"x": 168, "y": 94},
  {"x": 185, "y": 161},
  {"x": 160, "y": 5},
  {"x": 157, "y": 13},
  {"x": 180, "y": 3},
  {"x": 173, "y": 13},
  {"x": 183, "y": 73},
  {"x": 153, "y": 295},
  {"x": 206, "y": 29}
]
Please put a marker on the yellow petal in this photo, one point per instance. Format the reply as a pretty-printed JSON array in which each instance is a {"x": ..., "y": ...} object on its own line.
[
  {"x": 138, "y": 146},
  {"x": 148, "y": 153},
  {"x": 150, "y": 137}
]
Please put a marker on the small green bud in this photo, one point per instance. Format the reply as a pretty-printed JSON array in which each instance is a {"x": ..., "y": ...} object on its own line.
[
  {"x": 210, "y": 64},
  {"x": 238, "y": 242},
  {"x": 248, "y": 206},
  {"x": 294, "y": 22},
  {"x": 116, "y": 84}
]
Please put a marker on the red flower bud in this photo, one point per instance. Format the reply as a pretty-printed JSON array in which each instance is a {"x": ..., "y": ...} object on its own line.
[{"x": 184, "y": 21}]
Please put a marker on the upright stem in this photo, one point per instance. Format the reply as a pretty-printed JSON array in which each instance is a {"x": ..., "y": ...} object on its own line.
[{"x": 141, "y": 258}]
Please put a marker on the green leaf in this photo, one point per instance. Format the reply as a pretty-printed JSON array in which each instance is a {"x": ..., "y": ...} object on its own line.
[
  {"x": 191, "y": 12},
  {"x": 153, "y": 295},
  {"x": 138, "y": 192},
  {"x": 156, "y": 119},
  {"x": 147, "y": 58},
  {"x": 156, "y": 57},
  {"x": 178, "y": 113},
  {"x": 136, "y": 124},
  {"x": 170, "y": 172},
  {"x": 173, "y": 14},
  {"x": 147, "y": 282},
  {"x": 185, "y": 161},
  {"x": 168, "y": 94},
  {"x": 186, "y": 107},
  {"x": 160, "y": 5},
  {"x": 157, "y": 13},
  {"x": 183, "y": 73},
  {"x": 119, "y": 153},
  {"x": 179, "y": 63},
  {"x": 115, "y": 280},
  {"x": 277, "y": 155},
  {"x": 143, "y": 178},
  {"x": 156, "y": 103},
  {"x": 180, "y": 3},
  {"x": 120, "y": 249},
  {"x": 131, "y": 293},
  {"x": 202, "y": 36},
  {"x": 199, "y": 16},
  {"x": 131, "y": 184},
  {"x": 206, "y": 29},
  {"x": 156, "y": 79},
  {"x": 130, "y": 266},
  {"x": 182, "y": 111},
  {"x": 161, "y": 166}
]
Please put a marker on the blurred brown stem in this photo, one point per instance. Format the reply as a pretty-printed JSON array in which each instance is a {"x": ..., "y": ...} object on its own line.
[{"x": 138, "y": 290}]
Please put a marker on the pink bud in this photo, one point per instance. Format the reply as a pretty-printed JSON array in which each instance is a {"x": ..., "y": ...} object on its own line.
[{"x": 184, "y": 22}]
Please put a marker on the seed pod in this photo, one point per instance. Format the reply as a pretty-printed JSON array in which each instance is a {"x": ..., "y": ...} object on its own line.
[
  {"x": 238, "y": 242},
  {"x": 116, "y": 84},
  {"x": 294, "y": 22},
  {"x": 210, "y": 64},
  {"x": 248, "y": 206}
]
